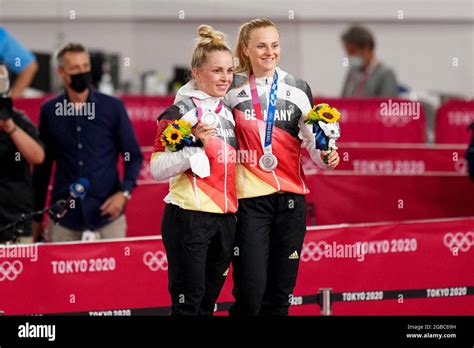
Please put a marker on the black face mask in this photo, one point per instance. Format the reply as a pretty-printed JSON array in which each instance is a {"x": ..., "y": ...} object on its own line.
[{"x": 80, "y": 82}]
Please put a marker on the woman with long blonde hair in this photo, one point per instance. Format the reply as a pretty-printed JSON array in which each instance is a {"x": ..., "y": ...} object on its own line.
[{"x": 269, "y": 107}]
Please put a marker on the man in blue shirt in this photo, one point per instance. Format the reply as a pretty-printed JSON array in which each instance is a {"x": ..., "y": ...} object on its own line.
[
  {"x": 18, "y": 60},
  {"x": 84, "y": 132}
]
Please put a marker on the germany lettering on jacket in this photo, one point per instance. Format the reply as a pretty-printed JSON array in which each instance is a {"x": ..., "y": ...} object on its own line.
[
  {"x": 225, "y": 132},
  {"x": 280, "y": 115}
]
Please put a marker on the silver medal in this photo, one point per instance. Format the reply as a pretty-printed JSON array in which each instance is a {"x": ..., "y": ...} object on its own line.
[
  {"x": 268, "y": 162},
  {"x": 210, "y": 118}
]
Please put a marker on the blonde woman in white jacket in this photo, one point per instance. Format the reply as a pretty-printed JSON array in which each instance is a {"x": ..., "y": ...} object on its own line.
[{"x": 198, "y": 225}]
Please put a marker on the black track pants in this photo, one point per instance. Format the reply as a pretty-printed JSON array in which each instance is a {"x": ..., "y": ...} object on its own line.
[
  {"x": 199, "y": 250},
  {"x": 269, "y": 237}
]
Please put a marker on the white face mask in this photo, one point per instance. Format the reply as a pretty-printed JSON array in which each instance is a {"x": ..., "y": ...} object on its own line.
[
  {"x": 4, "y": 80},
  {"x": 356, "y": 62},
  {"x": 4, "y": 85}
]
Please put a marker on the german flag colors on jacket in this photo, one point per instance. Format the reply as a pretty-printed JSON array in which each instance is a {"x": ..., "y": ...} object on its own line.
[
  {"x": 294, "y": 101},
  {"x": 215, "y": 193}
]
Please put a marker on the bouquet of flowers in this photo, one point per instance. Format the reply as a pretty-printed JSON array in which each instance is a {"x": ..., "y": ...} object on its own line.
[
  {"x": 325, "y": 126},
  {"x": 323, "y": 112},
  {"x": 177, "y": 135}
]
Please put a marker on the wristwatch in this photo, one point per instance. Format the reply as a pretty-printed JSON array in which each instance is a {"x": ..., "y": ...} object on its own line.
[{"x": 127, "y": 194}]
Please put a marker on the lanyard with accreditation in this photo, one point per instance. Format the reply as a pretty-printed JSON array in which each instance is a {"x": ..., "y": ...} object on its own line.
[{"x": 268, "y": 161}]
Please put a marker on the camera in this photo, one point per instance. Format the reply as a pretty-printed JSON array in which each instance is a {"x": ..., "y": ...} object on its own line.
[
  {"x": 6, "y": 108},
  {"x": 6, "y": 105}
]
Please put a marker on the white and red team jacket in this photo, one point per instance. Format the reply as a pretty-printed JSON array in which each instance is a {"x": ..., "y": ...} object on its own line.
[
  {"x": 215, "y": 193},
  {"x": 290, "y": 133}
]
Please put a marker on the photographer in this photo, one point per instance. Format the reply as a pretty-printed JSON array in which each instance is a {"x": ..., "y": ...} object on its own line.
[{"x": 19, "y": 147}]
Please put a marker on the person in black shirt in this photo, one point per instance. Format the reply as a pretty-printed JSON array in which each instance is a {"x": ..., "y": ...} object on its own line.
[
  {"x": 19, "y": 147},
  {"x": 85, "y": 132},
  {"x": 470, "y": 154}
]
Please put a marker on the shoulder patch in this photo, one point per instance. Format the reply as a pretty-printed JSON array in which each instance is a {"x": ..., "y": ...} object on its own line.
[
  {"x": 239, "y": 81},
  {"x": 293, "y": 81},
  {"x": 176, "y": 111}
]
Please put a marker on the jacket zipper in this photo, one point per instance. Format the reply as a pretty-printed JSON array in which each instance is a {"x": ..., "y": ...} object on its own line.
[
  {"x": 196, "y": 193},
  {"x": 225, "y": 161}
]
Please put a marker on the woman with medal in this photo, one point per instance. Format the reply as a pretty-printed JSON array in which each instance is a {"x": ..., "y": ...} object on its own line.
[
  {"x": 269, "y": 107},
  {"x": 198, "y": 225}
]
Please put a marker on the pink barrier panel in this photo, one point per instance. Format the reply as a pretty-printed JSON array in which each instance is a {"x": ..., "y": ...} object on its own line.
[
  {"x": 373, "y": 183},
  {"x": 391, "y": 182},
  {"x": 379, "y": 120},
  {"x": 31, "y": 107},
  {"x": 452, "y": 120},
  {"x": 366, "y": 120},
  {"x": 431, "y": 258},
  {"x": 143, "y": 111}
]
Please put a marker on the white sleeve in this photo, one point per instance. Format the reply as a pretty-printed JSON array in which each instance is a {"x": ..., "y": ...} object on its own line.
[
  {"x": 167, "y": 164},
  {"x": 309, "y": 142},
  {"x": 306, "y": 134}
]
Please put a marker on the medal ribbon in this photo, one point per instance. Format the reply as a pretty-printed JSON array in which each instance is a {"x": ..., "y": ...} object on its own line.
[
  {"x": 267, "y": 141},
  {"x": 197, "y": 102}
]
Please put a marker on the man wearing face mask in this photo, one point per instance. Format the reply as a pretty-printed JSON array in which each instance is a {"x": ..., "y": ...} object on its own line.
[
  {"x": 367, "y": 77},
  {"x": 84, "y": 132},
  {"x": 19, "y": 147}
]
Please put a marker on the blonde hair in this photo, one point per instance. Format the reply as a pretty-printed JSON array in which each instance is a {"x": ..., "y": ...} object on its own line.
[
  {"x": 243, "y": 41},
  {"x": 209, "y": 41}
]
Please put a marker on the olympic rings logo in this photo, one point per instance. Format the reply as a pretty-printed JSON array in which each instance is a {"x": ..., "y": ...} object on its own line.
[
  {"x": 313, "y": 251},
  {"x": 155, "y": 261},
  {"x": 10, "y": 270},
  {"x": 460, "y": 241}
]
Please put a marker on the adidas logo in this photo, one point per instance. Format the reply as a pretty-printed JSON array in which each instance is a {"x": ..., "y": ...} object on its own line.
[
  {"x": 242, "y": 94},
  {"x": 226, "y": 272},
  {"x": 294, "y": 256}
]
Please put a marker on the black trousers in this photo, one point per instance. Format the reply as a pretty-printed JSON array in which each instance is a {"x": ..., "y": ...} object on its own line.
[
  {"x": 199, "y": 251},
  {"x": 269, "y": 237}
]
